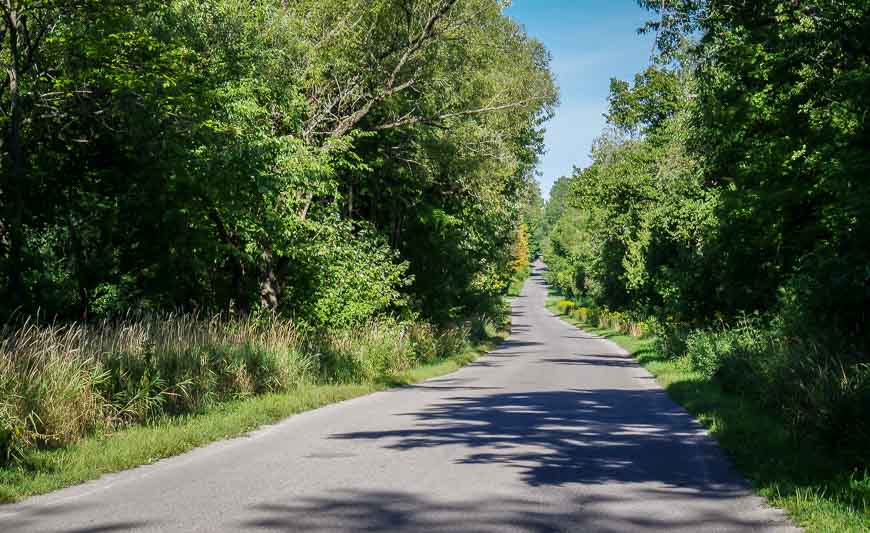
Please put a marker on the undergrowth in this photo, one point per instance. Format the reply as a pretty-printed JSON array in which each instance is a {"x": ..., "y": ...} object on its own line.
[
  {"x": 518, "y": 280},
  {"x": 61, "y": 383}
]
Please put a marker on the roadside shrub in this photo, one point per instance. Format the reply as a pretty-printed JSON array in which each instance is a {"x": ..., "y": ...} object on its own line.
[
  {"x": 452, "y": 340},
  {"x": 357, "y": 276},
  {"x": 739, "y": 357},
  {"x": 565, "y": 306},
  {"x": 707, "y": 351},
  {"x": 518, "y": 280},
  {"x": 823, "y": 394},
  {"x": 612, "y": 320},
  {"x": 671, "y": 338},
  {"x": 383, "y": 354},
  {"x": 483, "y": 327},
  {"x": 819, "y": 392},
  {"x": 638, "y": 329},
  {"x": 424, "y": 342}
]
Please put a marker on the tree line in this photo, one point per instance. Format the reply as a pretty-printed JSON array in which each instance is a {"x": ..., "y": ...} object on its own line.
[
  {"x": 331, "y": 160},
  {"x": 727, "y": 206}
]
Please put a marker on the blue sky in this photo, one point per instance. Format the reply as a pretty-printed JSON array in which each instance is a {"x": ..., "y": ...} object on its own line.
[{"x": 591, "y": 41}]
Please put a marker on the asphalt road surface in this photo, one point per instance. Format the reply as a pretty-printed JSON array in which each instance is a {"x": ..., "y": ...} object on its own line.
[{"x": 556, "y": 430}]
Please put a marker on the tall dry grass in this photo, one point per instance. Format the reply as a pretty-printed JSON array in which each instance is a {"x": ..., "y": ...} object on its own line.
[
  {"x": 61, "y": 382},
  {"x": 384, "y": 349}
]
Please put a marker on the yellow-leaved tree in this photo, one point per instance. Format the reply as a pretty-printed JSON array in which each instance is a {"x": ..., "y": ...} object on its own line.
[{"x": 521, "y": 249}]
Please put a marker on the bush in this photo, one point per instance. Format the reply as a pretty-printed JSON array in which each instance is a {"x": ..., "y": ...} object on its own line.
[
  {"x": 612, "y": 320},
  {"x": 482, "y": 328},
  {"x": 424, "y": 342},
  {"x": 638, "y": 329},
  {"x": 452, "y": 340},
  {"x": 819, "y": 392},
  {"x": 707, "y": 351},
  {"x": 565, "y": 306},
  {"x": 518, "y": 280},
  {"x": 671, "y": 338},
  {"x": 356, "y": 274}
]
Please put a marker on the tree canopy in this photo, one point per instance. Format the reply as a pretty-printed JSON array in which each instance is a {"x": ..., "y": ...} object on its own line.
[
  {"x": 731, "y": 177},
  {"x": 329, "y": 159}
]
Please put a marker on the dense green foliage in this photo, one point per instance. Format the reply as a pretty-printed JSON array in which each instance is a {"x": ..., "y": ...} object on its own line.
[
  {"x": 334, "y": 160},
  {"x": 727, "y": 207}
]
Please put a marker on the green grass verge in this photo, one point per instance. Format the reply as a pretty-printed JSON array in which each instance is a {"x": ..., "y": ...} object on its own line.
[
  {"x": 43, "y": 471},
  {"x": 793, "y": 475}
]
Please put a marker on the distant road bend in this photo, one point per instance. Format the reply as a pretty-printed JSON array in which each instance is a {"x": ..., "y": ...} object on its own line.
[{"x": 556, "y": 430}]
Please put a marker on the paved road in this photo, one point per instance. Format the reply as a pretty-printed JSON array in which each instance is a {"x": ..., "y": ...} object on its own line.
[{"x": 556, "y": 430}]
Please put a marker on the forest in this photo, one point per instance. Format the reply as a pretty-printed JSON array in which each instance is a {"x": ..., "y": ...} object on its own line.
[
  {"x": 330, "y": 160},
  {"x": 207, "y": 199},
  {"x": 727, "y": 210}
]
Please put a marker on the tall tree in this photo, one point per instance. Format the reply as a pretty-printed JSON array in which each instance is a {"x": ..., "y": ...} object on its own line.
[
  {"x": 782, "y": 105},
  {"x": 300, "y": 156}
]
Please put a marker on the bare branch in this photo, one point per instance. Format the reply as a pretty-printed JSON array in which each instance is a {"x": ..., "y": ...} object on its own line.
[
  {"x": 390, "y": 86},
  {"x": 435, "y": 121}
]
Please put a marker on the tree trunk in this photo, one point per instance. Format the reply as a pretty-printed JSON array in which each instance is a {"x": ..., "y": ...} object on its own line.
[
  {"x": 236, "y": 265},
  {"x": 16, "y": 182},
  {"x": 269, "y": 288},
  {"x": 273, "y": 273}
]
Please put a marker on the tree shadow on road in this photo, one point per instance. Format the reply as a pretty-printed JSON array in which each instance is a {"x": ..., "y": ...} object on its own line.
[
  {"x": 394, "y": 510},
  {"x": 31, "y": 519},
  {"x": 593, "y": 360},
  {"x": 572, "y": 437}
]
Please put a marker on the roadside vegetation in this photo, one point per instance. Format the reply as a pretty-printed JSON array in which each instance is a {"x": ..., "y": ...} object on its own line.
[
  {"x": 208, "y": 206},
  {"x": 89, "y": 413},
  {"x": 725, "y": 214},
  {"x": 60, "y": 383}
]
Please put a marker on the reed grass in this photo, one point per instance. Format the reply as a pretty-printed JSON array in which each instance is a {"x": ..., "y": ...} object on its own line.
[{"x": 59, "y": 383}]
